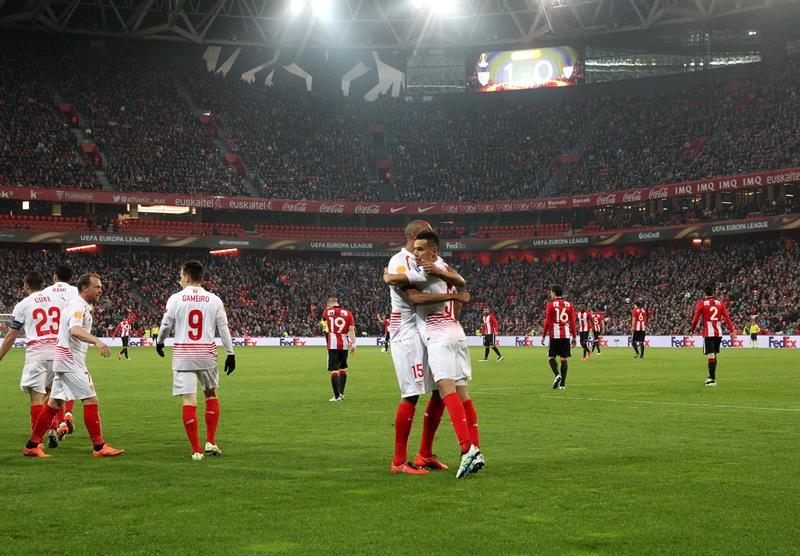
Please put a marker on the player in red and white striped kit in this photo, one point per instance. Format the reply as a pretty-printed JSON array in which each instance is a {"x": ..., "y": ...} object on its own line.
[
  {"x": 124, "y": 331},
  {"x": 559, "y": 325},
  {"x": 638, "y": 328},
  {"x": 196, "y": 315},
  {"x": 489, "y": 330},
  {"x": 713, "y": 312},
  {"x": 341, "y": 339},
  {"x": 37, "y": 317},
  {"x": 584, "y": 322}
]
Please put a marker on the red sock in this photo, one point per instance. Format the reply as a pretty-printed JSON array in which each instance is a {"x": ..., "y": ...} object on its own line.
[
  {"x": 459, "y": 419},
  {"x": 91, "y": 418},
  {"x": 212, "y": 419},
  {"x": 42, "y": 423},
  {"x": 69, "y": 405},
  {"x": 402, "y": 428},
  {"x": 35, "y": 411},
  {"x": 58, "y": 418},
  {"x": 430, "y": 423},
  {"x": 190, "y": 424},
  {"x": 472, "y": 422}
]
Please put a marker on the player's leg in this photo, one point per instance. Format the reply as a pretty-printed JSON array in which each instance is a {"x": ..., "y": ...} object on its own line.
[
  {"x": 430, "y": 424},
  {"x": 472, "y": 422},
  {"x": 212, "y": 421},
  {"x": 333, "y": 368},
  {"x": 79, "y": 386},
  {"x": 184, "y": 384},
  {"x": 33, "y": 448},
  {"x": 343, "y": 382},
  {"x": 407, "y": 357},
  {"x": 37, "y": 405},
  {"x": 494, "y": 348},
  {"x": 635, "y": 344},
  {"x": 641, "y": 346},
  {"x": 711, "y": 348}
]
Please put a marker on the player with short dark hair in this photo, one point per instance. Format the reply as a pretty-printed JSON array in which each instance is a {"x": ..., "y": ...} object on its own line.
[
  {"x": 638, "y": 328},
  {"x": 385, "y": 322},
  {"x": 713, "y": 312},
  {"x": 598, "y": 327},
  {"x": 559, "y": 324},
  {"x": 341, "y": 339},
  {"x": 124, "y": 331},
  {"x": 489, "y": 329},
  {"x": 584, "y": 322}
]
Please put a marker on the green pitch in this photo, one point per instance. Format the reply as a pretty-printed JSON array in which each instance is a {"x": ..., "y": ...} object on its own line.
[{"x": 635, "y": 457}]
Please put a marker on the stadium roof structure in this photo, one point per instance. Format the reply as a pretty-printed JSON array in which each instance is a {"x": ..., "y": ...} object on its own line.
[{"x": 393, "y": 24}]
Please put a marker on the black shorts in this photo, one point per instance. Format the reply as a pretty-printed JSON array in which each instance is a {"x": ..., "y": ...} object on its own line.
[
  {"x": 488, "y": 340},
  {"x": 559, "y": 347},
  {"x": 337, "y": 359},
  {"x": 125, "y": 340},
  {"x": 711, "y": 344},
  {"x": 638, "y": 335},
  {"x": 584, "y": 337},
  {"x": 754, "y": 337},
  {"x": 595, "y": 335},
  {"x": 386, "y": 338}
]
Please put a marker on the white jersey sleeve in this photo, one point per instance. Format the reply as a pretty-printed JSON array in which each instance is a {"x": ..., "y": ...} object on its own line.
[
  {"x": 435, "y": 321},
  {"x": 402, "y": 320},
  {"x": 70, "y": 351}
]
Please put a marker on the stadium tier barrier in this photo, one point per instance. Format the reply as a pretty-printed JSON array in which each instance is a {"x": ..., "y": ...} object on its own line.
[{"x": 764, "y": 341}]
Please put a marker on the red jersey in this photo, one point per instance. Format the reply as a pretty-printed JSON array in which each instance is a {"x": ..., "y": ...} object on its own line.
[
  {"x": 340, "y": 321},
  {"x": 713, "y": 312},
  {"x": 489, "y": 325},
  {"x": 124, "y": 326},
  {"x": 386, "y": 323},
  {"x": 639, "y": 319},
  {"x": 598, "y": 319},
  {"x": 559, "y": 320},
  {"x": 584, "y": 321}
]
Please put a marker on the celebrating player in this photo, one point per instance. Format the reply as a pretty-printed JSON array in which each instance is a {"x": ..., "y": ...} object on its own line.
[
  {"x": 195, "y": 314},
  {"x": 638, "y": 328},
  {"x": 446, "y": 345},
  {"x": 489, "y": 329},
  {"x": 71, "y": 379},
  {"x": 713, "y": 312},
  {"x": 124, "y": 331},
  {"x": 598, "y": 328},
  {"x": 559, "y": 324},
  {"x": 409, "y": 358},
  {"x": 341, "y": 335},
  {"x": 584, "y": 320},
  {"x": 37, "y": 316}
]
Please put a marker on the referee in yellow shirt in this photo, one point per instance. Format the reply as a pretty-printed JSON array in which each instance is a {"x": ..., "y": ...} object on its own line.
[{"x": 754, "y": 330}]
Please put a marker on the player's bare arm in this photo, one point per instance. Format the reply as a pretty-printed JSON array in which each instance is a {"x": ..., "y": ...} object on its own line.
[
  {"x": 449, "y": 275},
  {"x": 8, "y": 342},
  {"x": 81, "y": 334},
  {"x": 420, "y": 298}
]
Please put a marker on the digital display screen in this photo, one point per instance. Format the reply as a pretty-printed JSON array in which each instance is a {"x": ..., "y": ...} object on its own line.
[{"x": 513, "y": 70}]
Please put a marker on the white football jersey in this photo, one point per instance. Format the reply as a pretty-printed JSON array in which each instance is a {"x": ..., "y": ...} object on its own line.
[
  {"x": 70, "y": 351},
  {"x": 62, "y": 290},
  {"x": 402, "y": 320},
  {"x": 38, "y": 315},
  {"x": 435, "y": 321},
  {"x": 194, "y": 314}
]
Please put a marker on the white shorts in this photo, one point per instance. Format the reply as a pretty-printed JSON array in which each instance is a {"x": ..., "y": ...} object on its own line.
[
  {"x": 37, "y": 376},
  {"x": 73, "y": 386},
  {"x": 449, "y": 359},
  {"x": 185, "y": 382},
  {"x": 411, "y": 366}
]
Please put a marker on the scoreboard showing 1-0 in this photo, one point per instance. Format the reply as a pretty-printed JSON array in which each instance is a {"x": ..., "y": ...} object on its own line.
[{"x": 511, "y": 70}]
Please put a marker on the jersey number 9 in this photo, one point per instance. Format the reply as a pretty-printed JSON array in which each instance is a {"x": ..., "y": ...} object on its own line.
[{"x": 195, "y": 324}]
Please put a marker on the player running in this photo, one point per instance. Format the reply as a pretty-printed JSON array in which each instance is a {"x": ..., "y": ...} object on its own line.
[
  {"x": 37, "y": 317},
  {"x": 713, "y": 312},
  {"x": 598, "y": 328},
  {"x": 489, "y": 330},
  {"x": 410, "y": 362},
  {"x": 195, "y": 314},
  {"x": 559, "y": 324},
  {"x": 638, "y": 328},
  {"x": 124, "y": 331},
  {"x": 341, "y": 338},
  {"x": 71, "y": 378},
  {"x": 584, "y": 321},
  {"x": 446, "y": 345}
]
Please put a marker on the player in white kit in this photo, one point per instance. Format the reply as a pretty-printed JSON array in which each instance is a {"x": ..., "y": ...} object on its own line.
[
  {"x": 71, "y": 380},
  {"x": 37, "y": 317},
  {"x": 446, "y": 344},
  {"x": 196, "y": 315},
  {"x": 410, "y": 361},
  {"x": 62, "y": 289}
]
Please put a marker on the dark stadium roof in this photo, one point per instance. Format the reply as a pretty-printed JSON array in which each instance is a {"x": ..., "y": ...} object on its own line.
[{"x": 395, "y": 24}]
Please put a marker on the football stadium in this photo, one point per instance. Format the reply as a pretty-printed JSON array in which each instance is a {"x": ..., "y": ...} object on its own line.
[{"x": 353, "y": 276}]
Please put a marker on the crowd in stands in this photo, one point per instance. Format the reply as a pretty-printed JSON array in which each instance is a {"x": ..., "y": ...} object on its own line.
[
  {"x": 285, "y": 294},
  {"x": 146, "y": 131},
  {"x": 306, "y": 146},
  {"x": 36, "y": 146}
]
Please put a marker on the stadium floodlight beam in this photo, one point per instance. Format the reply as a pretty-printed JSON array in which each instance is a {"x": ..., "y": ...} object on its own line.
[
  {"x": 320, "y": 8},
  {"x": 296, "y": 7}
]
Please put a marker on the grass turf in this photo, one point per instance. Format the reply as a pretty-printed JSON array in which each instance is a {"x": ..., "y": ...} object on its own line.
[{"x": 634, "y": 457}]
